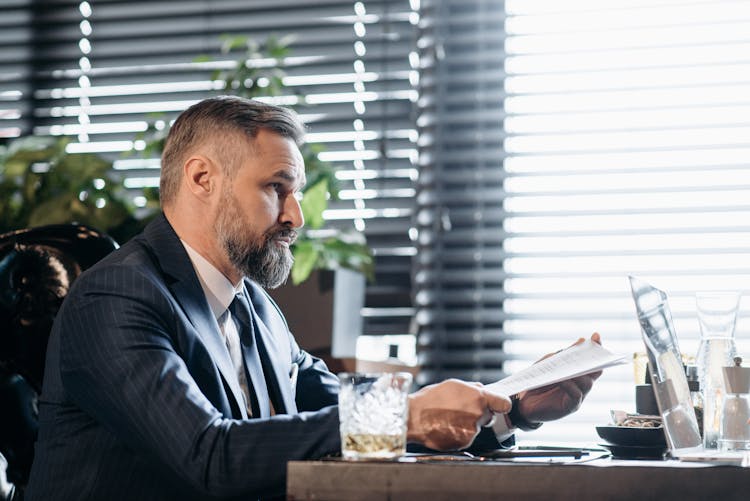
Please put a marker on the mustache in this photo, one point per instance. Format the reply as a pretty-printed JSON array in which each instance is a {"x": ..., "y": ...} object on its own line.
[{"x": 284, "y": 232}]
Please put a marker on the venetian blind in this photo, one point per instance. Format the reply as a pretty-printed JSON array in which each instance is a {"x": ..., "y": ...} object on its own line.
[
  {"x": 627, "y": 135},
  {"x": 18, "y": 31},
  {"x": 116, "y": 62},
  {"x": 623, "y": 149},
  {"x": 458, "y": 269}
]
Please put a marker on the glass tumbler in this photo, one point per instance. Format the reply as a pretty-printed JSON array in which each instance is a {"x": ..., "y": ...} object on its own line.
[{"x": 373, "y": 412}]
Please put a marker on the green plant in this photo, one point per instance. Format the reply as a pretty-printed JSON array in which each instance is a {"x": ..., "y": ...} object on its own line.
[
  {"x": 259, "y": 72},
  {"x": 41, "y": 183}
]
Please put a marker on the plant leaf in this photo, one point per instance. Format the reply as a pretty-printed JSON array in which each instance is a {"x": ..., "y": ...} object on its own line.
[
  {"x": 305, "y": 258},
  {"x": 232, "y": 42},
  {"x": 352, "y": 255},
  {"x": 314, "y": 202}
]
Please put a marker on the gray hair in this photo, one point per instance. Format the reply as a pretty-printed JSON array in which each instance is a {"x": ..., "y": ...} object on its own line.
[{"x": 217, "y": 121}]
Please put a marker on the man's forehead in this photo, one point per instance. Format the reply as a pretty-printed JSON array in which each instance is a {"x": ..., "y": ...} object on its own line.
[
  {"x": 290, "y": 173},
  {"x": 279, "y": 153},
  {"x": 293, "y": 174}
]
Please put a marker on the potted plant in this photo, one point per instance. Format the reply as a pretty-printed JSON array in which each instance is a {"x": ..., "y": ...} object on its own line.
[{"x": 41, "y": 183}]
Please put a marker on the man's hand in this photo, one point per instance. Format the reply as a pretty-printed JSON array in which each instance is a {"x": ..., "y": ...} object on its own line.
[
  {"x": 448, "y": 415},
  {"x": 556, "y": 400}
]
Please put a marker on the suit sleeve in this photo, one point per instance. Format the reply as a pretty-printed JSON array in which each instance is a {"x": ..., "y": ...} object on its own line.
[
  {"x": 121, "y": 366},
  {"x": 316, "y": 385}
]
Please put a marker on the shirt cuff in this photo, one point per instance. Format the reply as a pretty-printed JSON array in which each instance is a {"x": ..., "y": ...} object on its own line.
[{"x": 502, "y": 427}]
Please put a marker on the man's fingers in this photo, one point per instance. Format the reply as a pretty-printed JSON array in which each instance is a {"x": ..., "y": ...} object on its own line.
[
  {"x": 579, "y": 387},
  {"x": 583, "y": 384},
  {"x": 573, "y": 393},
  {"x": 447, "y": 429},
  {"x": 579, "y": 341},
  {"x": 495, "y": 404},
  {"x": 487, "y": 419},
  {"x": 595, "y": 337},
  {"x": 498, "y": 404}
]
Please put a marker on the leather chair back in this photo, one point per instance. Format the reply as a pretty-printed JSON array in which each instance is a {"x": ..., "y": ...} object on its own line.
[{"x": 37, "y": 268}]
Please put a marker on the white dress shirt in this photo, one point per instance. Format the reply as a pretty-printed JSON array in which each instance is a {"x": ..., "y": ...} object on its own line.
[{"x": 220, "y": 293}]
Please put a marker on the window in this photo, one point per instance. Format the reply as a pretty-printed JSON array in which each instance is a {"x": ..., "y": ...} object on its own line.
[
  {"x": 627, "y": 141},
  {"x": 598, "y": 139}
]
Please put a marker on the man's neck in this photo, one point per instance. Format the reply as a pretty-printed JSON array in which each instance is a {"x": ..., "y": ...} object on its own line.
[{"x": 200, "y": 236}]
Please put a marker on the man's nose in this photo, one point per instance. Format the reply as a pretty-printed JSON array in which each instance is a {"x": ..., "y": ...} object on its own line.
[{"x": 291, "y": 212}]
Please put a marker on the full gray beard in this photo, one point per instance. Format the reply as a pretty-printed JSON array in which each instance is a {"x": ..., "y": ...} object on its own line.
[
  {"x": 268, "y": 265},
  {"x": 265, "y": 262}
]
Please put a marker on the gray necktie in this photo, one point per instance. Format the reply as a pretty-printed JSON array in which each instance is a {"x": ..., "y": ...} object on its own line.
[
  {"x": 259, "y": 398},
  {"x": 232, "y": 342}
]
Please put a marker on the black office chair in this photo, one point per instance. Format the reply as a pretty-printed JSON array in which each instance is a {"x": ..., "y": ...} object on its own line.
[{"x": 37, "y": 267}]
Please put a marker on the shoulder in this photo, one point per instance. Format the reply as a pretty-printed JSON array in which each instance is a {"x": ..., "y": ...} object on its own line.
[
  {"x": 121, "y": 301},
  {"x": 126, "y": 287},
  {"x": 131, "y": 268}
]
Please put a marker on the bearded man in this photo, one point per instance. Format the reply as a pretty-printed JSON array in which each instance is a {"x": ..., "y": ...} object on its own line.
[{"x": 171, "y": 374}]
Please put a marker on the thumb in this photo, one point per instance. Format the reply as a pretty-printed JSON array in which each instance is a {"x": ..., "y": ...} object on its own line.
[{"x": 499, "y": 404}]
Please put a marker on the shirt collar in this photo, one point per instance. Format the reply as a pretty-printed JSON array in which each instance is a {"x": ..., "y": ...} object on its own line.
[{"x": 218, "y": 289}]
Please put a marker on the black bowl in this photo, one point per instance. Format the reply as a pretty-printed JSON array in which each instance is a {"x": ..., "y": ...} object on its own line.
[
  {"x": 632, "y": 436},
  {"x": 636, "y": 452}
]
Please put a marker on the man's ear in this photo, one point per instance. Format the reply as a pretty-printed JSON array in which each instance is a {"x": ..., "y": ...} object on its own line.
[{"x": 201, "y": 176}]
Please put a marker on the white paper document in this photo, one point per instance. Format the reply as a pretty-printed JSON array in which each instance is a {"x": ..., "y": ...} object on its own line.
[{"x": 571, "y": 362}]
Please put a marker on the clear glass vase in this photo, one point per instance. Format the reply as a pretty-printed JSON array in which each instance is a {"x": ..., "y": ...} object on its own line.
[{"x": 717, "y": 316}]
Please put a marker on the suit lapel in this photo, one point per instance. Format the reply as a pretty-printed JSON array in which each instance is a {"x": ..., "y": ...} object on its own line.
[
  {"x": 186, "y": 288},
  {"x": 272, "y": 349}
]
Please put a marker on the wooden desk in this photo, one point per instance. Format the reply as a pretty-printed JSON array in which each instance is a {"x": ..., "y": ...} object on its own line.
[{"x": 600, "y": 479}]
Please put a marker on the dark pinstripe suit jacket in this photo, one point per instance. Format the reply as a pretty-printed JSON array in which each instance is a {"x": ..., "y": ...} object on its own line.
[{"x": 136, "y": 405}]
